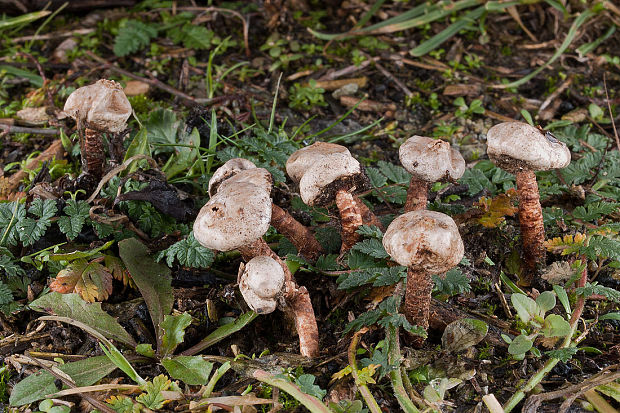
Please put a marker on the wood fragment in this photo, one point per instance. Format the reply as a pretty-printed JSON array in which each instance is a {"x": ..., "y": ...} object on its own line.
[
  {"x": 338, "y": 83},
  {"x": 366, "y": 105}
]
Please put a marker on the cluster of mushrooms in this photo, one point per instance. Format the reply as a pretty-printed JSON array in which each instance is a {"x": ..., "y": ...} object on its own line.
[{"x": 240, "y": 211}]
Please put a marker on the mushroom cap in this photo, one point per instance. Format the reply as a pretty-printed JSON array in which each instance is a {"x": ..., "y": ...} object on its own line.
[
  {"x": 103, "y": 106},
  {"x": 230, "y": 168},
  {"x": 424, "y": 240},
  {"x": 257, "y": 176},
  {"x": 302, "y": 160},
  {"x": 514, "y": 146},
  {"x": 328, "y": 175},
  {"x": 233, "y": 218},
  {"x": 431, "y": 160},
  {"x": 261, "y": 281}
]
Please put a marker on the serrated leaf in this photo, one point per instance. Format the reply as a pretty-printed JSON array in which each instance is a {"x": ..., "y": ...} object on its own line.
[
  {"x": 372, "y": 247},
  {"x": 453, "y": 283},
  {"x": 189, "y": 253},
  {"x": 6, "y": 295},
  {"x": 133, "y": 36},
  {"x": 121, "y": 404},
  {"x": 44, "y": 209},
  {"x": 390, "y": 276},
  {"x": 89, "y": 279},
  {"x": 174, "y": 327},
  {"x": 377, "y": 179},
  {"x": 394, "y": 173},
  {"x": 10, "y": 214},
  {"x": 595, "y": 210},
  {"x": 327, "y": 262},
  {"x": 193, "y": 37},
  {"x": 393, "y": 194},
  {"x": 72, "y": 306},
  {"x": 153, "y": 399},
  {"x": 76, "y": 213},
  {"x": 192, "y": 370},
  {"x": 593, "y": 288},
  {"x": 357, "y": 278},
  {"x": 10, "y": 268},
  {"x": 370, "y": 231},
  {"x": 117, "y": 268},
  {"x": 358, "y": 260},
  {"x": 497, "y": 208},
  {"x": 306, "y": 384},
  {"x": 563, "y": 354},
  {"x": 31, "y": 230}
]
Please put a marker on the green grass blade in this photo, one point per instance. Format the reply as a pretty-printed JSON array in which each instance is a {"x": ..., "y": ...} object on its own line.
[
  {"x": 368, "y": 15},
  {"x": 23, "y": 19},
  {"x": 34, "y": 79},
  {"x": 221, "y": 333},
  {"x": 309, "y": 402},
  {"x": 572, "y": 32}
]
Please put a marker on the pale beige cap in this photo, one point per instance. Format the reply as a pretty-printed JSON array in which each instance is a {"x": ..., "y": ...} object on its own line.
[
  {"x": 102, "y": 106},
  {"x": 302, "y": 160},
  {"x": 328, "y": 175},
  {"x": 431, "y": 160},
  {"x": 424, "y": 240},
  {"x": 234, "y": 217},
  {"x": 261, "y": 281},
  {"x": 514, "y": 146},
  {"x": 227, "y": 170}
]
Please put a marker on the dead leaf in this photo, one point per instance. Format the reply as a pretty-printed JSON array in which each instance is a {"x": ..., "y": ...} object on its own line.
[
  {"x": 91, "y": 280},
  {"x": 496, "y": 209}
]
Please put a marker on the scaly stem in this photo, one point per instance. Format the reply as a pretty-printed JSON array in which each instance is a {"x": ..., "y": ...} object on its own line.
[
  {"x": 93, "y": 154},
  {"x": 531, "y": 223},
  {"x": 300, "y": 236},
  {"x": 550, "y": 364},
  {"x": 350, "y": 220},
  {"x": 418, "y": 300},
  {"x": 417, "y": 195}
]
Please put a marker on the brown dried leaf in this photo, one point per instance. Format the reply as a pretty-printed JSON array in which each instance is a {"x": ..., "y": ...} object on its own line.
[
  {"x": 91, "y": 280},
  {"x": 119, "y": 271},
  {"x": 496, "y": 209}
]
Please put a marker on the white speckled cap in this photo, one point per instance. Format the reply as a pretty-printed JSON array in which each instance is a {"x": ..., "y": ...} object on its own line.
[
  {"x": 103, "y": 106},
  {"x": 230, "y": 168},
  {"x": 424, "y": 240},
  {"x": 302, "y": 160},
  {"x": 257, "y": 176},
  {"x": 515, "y": 146},
  {"x": 431, "y": 160},
  {"x": 328, "y": 175},
  {"x": 233, "y": 217},
  {"x": 261, "y": 281}
]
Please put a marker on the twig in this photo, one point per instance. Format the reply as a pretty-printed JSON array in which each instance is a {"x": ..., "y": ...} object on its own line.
[
  {"x": 556, "y": 93},
  {"x": 348, "y": 70},
  {"x": 492, "y": 403},
  {"x": 611, "y": 115},
  {"x": 54, "y": 35},
  {"x": 151, "y": 81},
  {"x": 34, "y": 131},
  {"x": 391, "y": 77}
]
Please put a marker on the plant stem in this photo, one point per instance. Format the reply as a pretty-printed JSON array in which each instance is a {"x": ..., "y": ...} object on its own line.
[
  {"x": 550, "y": 364},
  {"x": 417, "y": 195},
  {"x": 364, "y": 390},
  {"x": 395, "y": 376},
  {"x": 531, "y": 223}
]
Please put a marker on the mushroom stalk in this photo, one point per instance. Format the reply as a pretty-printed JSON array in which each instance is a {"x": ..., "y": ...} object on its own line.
[
  {"x": 417, "y": 195},
  {"x": 531, "y": 222},
  {"x": 418, "y": 300},
  {"x": 350, "y": 220},
  {"x": 297, "y": 299},
  {"x": 368, "y": 217},
  {"x": 93, "y": 154},
  {"x": 300, "y": 236}
]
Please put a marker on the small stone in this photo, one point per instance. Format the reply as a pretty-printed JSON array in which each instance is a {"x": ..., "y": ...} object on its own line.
[
  {"x": 346, "y": 90},
  {"x": 136, "y": 87},
  {"x": 60, "y": 54},
  {"x": 33, "y": 116}
]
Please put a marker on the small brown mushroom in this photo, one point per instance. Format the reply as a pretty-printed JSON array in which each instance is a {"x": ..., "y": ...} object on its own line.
[
  {"x": 327, "y": 173},
  {"x": 428, "y": 160},
  {"x": 241, "y": 170},
  {"x": 427, "y": 243},
  {"x": 522, "y": 149},
  {"x": 98, "y": 108},
  {"x": 237, "y": 217},
  {"x": 264, "y": 285}
]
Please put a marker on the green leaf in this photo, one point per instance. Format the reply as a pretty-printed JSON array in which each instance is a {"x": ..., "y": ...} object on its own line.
[
  {"x": 372, "y": 247},
  {"x": 370, "y": 231},
  {"x": 10, "y": 214},
  {"x": 133, "y": 36},
  {"x": 139, "y": 146},
  {"x": 6, "y": 295},
  {"x": 546, "y": 301},
  {"x": 121, "y": 404},
  {"x": 194, "y": 37},
  {"x": 188, "y": 252},
  {"x": 394, "y": 173},
  {"x": 222, "y": 332},
  {"x": 358, "y": 260},
  {"x": 377, "y": 179},
  {"x": 72, "y": 306},
  {"x": 595, "y": 210},
  {"x": 520, "y": 345},
  {"x": 563, "y": 297},
  {"x": 174, "y": 330},
  {"x": 306, "y": 385},
  {"x": 593, "y": 288},
  {"x": 192, "y": 370},
  {"x": 153, "y": 399},
  {"x": 152, "y": 279},
  {"x": 327, "y": 262},
  {"x": 555, "y": 326},
  {"x": 76, "y": 213},
  {"x": 453, "y": 283},
  {"x": 10, "y": 268},
  {"x": 610, "y": 316},
  {"x": 38, "y": 385},
  {"x": 525, "y": 306},
  {"x": 563, "y": 354},
  {"x": 162, "y": 126}
]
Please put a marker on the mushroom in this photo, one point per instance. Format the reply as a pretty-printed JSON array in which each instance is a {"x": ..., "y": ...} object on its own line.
[
  {"x": 263, "y": 285},
  {"x": 428, "y": 160},
  {"x": 237, "y": 217},
  {"x": 522, "y": 149},
  {"x": 241, "y": 170},
  {"x": 98, "y": 108},
  {"x": 327, "y": 173},
  {"x": 427, "y": 243}
]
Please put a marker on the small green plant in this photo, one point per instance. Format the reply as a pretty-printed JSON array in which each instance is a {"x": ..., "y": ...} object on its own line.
[
  {"x": 467, "y": 111},
  {"x": 306, "y": 97}
]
